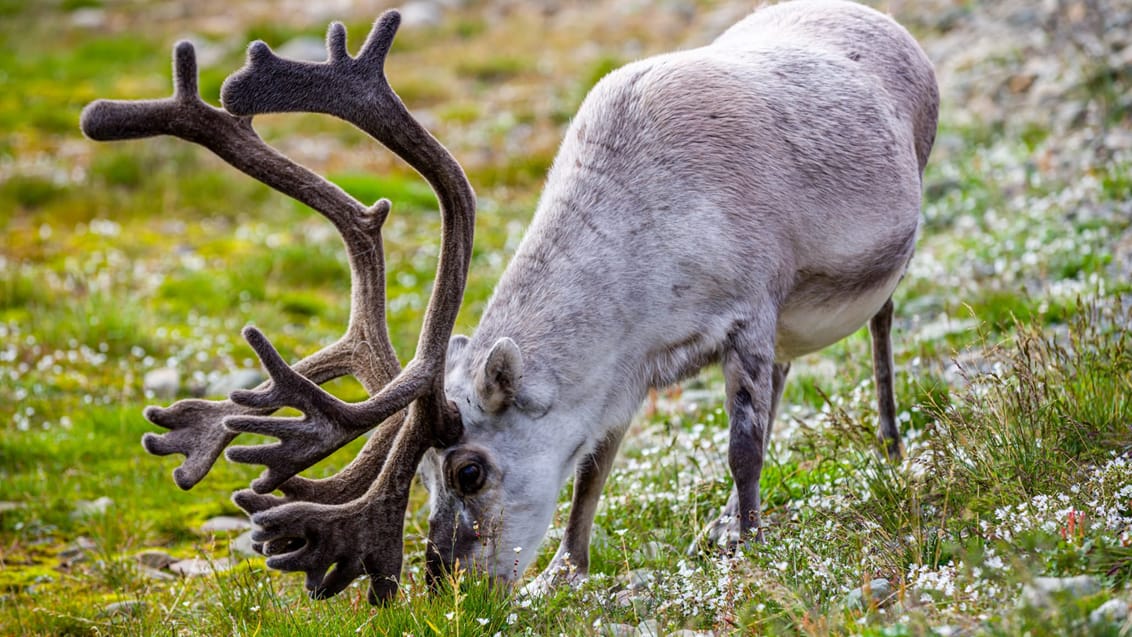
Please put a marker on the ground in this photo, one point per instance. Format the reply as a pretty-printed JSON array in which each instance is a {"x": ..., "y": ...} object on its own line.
[{"x": 125, "y": 263}]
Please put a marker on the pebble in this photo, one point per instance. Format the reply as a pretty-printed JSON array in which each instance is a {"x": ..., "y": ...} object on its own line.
[
  {"x": 128, "y": 607},
  {"x": 162, "y": 383},
  {"x": 155, "y": 559},
  {"x": 879, "y": 593},
  {"x": 196, "y": 567},
  {"x": 1114, "y": 610},
  {"x": 225, "y": 524},
  {"x": 88, "y": 508},
  {"x": 1042, "y": 591},
  {"x": 421, "y": 13},
  {"x": 639, "y": 579},
  {"x": 305, "y": 48},
  {"x": 242, "y": 545},
  {"x": 239, "y": 379},
  {"x": 619, "y": 630}
]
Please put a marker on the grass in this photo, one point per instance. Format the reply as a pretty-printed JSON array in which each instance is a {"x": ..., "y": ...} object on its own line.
[{"x": 1012, "y": 344}]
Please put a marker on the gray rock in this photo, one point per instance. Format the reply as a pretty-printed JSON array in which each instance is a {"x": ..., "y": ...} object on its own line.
[
  {"x": 239, "y": 379},
  {"x": 1043, "y": 591},
  {"x": 656, "y": 550},
  {"x": 649, "y": 628},
  {"x": 619, "y": 630},
  {"x": 421, "y": 13},
  {"x": 88, "y": 508},
  {"x": 1113, "y": 611},
  {"x": 639, "y": 579},
  {"x": 306, "y": 48},
  {"x": 155, "y": 559},
  {"x": 128, "y": 607},
  {"x": 225, "y": 524},
  {"x": 242, "y": 545},
  {"x": 88, "y": 18},
  {"x": 154, "y": 574},
  {"x": 196, "y": 567},
  {"x": 877, "y": 593},
  {"x": 163, "y": 382}
]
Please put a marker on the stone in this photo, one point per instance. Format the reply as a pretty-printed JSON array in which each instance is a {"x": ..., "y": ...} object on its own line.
[
  {"x": 656, "y": 550},
  {"x": 619, "y": 630},
  {"x": 239, "y": 379},
  {"x": 196, "y": 567},
  {"x": 162, "y": 383},
  {"x": 242, "y": 545},
  {"x": 225, "y": 524},
  {"x": 155, "y": 559},
  {"x": 304, "y": 48},
  {"x": 421, "y": 13},
  {"x": 649, "y": 628},
  {"x": 154, "y": 574},
  {"x": 88, "y": 508},
  {"x": 877, "y": 593},
  {"x": 1043, "y": 591},
  {"x": 640, "y": 579},
  {"x": 1113, "y": 611},
  {"x": 128, "y": 607}
]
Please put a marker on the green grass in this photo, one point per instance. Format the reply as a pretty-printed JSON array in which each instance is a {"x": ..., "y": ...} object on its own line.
[{"x": 1012, "y": 343}]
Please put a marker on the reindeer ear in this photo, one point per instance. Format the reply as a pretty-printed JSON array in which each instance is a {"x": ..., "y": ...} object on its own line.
[{"x": 498, "y": 380}]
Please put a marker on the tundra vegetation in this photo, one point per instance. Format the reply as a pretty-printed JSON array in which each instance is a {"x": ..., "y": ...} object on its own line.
[{"x": 1011, "y": 339}]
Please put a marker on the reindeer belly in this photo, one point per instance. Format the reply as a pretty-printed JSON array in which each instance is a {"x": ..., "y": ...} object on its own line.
[{"x": 820, "y": 313}]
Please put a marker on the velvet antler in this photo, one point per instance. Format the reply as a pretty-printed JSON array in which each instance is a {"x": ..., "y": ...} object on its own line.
[{"x": 321, "y": 524}]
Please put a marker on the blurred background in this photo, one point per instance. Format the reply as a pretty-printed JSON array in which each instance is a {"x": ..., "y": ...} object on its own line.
[{"x": 127, "y": 269}]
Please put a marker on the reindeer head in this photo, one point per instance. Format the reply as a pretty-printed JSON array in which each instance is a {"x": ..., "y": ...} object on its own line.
[{"x": 492, "y": 494}]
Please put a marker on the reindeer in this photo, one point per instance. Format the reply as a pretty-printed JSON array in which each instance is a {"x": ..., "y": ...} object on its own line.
[{"x": 746, "y": 202}]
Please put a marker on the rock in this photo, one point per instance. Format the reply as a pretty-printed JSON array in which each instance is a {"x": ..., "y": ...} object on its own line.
[
  {"x": 155, "y": 575},
  {"x": 876, "y": 594},
  {"x": 656, "y": 550},
  {"x": 1114, "y": 611},
  {"x": 639, "y": 579},
  {"x": 1042, "y": 591},
  {"x": 88, "y": 508},
  {"x": 649, "y": 628},
  {"x": 421, "y": 13},
  {"x": 619, "y": 630},
  {"x": 10, "y": 506},
  {"x": 242, "y": 545},
  {"x": 155, "y": 559},
  {"x": 239, "y": 379},
  {"x": 225, "y": 524},
  {"x": 197, "y": 567},
  {"x": 305, "y": 48},
  {"x": 163, "y": 382},
  {"x": 88, "y": 18},
  {"x": 128, "y": 607}
]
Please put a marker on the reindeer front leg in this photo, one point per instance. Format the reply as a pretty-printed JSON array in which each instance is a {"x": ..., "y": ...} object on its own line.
[{"x": 571, "y": 563}]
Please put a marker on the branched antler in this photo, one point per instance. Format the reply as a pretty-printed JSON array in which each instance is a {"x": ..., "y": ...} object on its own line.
[{"x": 318, "y": 524}]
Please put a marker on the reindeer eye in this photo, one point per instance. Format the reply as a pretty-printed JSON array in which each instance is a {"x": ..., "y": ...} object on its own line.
[{"x": 470, "y": 477}]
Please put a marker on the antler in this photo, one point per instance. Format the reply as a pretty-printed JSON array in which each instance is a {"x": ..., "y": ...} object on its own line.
[
  {"x": 363, "y": 97},
  {"x": 354, "y": 89}
]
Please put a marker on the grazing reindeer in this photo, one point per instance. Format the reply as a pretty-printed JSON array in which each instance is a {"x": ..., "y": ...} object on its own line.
[{"x": 746, "y": 202}]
